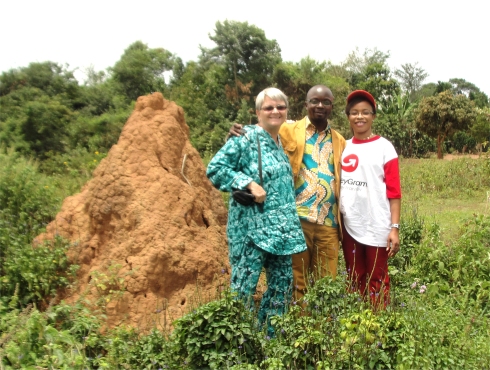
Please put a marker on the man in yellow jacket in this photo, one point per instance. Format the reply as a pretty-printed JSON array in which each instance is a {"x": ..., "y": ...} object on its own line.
[{"x": 314, "y": 150}]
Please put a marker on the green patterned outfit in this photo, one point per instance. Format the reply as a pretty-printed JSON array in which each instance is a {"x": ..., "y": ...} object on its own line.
[{"x": 259, "y": 235}]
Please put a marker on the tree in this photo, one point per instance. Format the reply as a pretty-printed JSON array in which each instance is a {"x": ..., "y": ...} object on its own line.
[
  {"x": 140, "y": 70},
  {"x": 357, "y": 62},
  {"x": 427, "y": 90},
  {"x": 369, "y": 71},
  {"x": 461, "y": 86},
  {"x": 442, "y": 115},
  {"x": 411, "y": 78},
  {"x": 247, "y": 55},
  {"x": 378, "y": 81},
  {"x": 51, "y": 78},
  {"x": 296, "y": 79},
  {"x": 38, "y": 103},
  {"x": 393, "y": 122},
  {"x": 34, "y": 123},
  {"x": 481, "y": 129},
  {"x": 199, "y": 91}
]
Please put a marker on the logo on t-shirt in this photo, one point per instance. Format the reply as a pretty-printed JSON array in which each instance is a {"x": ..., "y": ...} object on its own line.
[{"x": 350, "y": 163}]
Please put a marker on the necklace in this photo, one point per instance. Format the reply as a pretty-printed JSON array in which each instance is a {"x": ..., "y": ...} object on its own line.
[{"x": 369, "y": 137}]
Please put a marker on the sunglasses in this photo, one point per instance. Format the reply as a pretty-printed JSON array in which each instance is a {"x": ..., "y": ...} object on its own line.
[{"x": 270, "y": 108}]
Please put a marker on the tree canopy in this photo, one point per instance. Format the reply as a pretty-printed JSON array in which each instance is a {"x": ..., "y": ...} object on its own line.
[
  {"x": 248, "y": 56},
  {"x": 140, "y": 69},
  {"x": 411, "y": 78},
  {"x": 46, "y": 113},
  {"x": 442, "y": 115}
]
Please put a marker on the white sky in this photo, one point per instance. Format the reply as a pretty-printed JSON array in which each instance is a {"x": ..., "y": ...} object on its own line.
[{"x": 447, "y": 38}]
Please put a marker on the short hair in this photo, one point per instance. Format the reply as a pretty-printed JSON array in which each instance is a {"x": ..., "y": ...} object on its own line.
[{"x": 273, "y": 93}]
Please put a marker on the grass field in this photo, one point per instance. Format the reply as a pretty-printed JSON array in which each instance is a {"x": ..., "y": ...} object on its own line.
[{"x": 446, "y": 192}]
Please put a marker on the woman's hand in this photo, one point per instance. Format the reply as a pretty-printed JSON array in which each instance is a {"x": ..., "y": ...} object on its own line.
[
  {"x": 393, "y": 243},
  {"x": 257, "y": 191}
]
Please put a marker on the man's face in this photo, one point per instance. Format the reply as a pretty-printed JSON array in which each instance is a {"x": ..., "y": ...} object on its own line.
[{"x": 319, "y": 104}]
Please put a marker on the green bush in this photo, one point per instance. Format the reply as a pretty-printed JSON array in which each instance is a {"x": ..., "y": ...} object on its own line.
[
  {"x": 28, "y": 201},
  {"x": 463, "y": 142},
  {"x": 411, "y": 232},
  {"x": 461, "y": 268},
  {"x": 218, "y": 334}
]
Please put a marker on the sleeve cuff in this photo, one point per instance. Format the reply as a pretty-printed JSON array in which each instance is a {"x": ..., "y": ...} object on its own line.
[{"x": 241, "y": 182}]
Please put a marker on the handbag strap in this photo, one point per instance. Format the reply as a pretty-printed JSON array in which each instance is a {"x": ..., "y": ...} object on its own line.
[{"x": 260, "y": 162}]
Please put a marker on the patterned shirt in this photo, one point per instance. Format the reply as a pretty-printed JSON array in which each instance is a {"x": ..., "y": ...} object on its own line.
[
  {"x": 315, "y": 197},
  {"x": 273, "y": 226}
]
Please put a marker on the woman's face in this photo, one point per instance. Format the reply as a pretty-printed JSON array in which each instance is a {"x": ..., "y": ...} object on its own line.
[
  {"x": 272, "y": 119},
  {"x": 361, "y": 119}
]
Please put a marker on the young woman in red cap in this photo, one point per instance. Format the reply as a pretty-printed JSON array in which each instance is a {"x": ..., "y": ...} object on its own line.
[{"x": 370, "y": 201}]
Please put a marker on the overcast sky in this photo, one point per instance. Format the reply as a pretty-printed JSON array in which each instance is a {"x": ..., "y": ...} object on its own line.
[{"x": 448, "y": 39}]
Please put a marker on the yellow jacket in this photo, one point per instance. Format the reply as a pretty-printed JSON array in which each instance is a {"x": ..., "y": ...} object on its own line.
[{"x": 293, "y": 138}]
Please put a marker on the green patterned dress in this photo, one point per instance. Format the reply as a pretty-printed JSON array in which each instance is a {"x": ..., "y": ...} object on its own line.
[{"x": 260, "y": 235}]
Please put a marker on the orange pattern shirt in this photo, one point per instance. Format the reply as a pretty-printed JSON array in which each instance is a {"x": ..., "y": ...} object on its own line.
[{"x": 315, "y": 197}]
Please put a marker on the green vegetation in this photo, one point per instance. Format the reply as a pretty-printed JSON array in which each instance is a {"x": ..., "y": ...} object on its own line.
[
  {"x": 54, "y": 131},
  {"x": 45, "y": 113},
  {"x": 438, "y": 317}
]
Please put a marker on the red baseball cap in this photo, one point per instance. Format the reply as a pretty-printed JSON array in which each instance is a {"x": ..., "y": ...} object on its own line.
[{"x": 363, "y": 94}]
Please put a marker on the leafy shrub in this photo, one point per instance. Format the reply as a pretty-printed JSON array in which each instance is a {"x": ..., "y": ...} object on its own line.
[
  {"x": 217, "y": 334},
  {"x": 463, "y": 142},
  {"x": 411, "y": 231},
  {"x": 38, "y": 271},
  {"x": 28, "y": 202},
  {"x": 462, "y": 267},
  {"x": 31, "y": 339}
]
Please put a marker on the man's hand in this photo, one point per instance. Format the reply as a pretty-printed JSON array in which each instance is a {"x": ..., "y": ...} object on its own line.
[
  {"x": 236, "y": 130},
  {"x": 257, "y": 191}
]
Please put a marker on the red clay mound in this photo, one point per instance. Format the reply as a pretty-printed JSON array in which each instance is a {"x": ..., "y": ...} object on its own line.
[{"x": 151, "y": 214}]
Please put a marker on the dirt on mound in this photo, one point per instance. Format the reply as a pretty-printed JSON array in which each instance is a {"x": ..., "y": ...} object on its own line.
[{"x": 149, "y": 228}]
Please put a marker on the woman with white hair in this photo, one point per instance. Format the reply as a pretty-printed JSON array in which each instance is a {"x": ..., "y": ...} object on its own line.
[{"x": 267, "y": 232}]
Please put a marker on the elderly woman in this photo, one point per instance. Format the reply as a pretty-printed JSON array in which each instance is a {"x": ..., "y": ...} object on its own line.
[
  {"x": 267, "y": 232},
  {"x": 370, "y": 201}
]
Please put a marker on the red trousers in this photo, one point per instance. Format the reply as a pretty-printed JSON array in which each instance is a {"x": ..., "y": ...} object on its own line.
[{"x": 367, "y": 268}]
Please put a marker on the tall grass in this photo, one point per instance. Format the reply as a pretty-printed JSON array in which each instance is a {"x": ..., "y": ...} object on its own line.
[{"x": 455, "y": 179}]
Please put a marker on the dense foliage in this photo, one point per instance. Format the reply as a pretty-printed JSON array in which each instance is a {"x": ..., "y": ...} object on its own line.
[{"x": 45, "y": 112}]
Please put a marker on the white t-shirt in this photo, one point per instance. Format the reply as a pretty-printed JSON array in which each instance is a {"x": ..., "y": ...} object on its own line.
[{"x": 370, "y": 176}]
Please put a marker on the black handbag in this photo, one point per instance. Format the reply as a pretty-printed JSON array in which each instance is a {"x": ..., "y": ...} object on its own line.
[{"x": 245, "y": 197}]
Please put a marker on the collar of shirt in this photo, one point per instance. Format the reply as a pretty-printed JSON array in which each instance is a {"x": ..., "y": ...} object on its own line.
[
  {"x": 269, "y": 140},
  {"x": 311, "y": 127}
]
